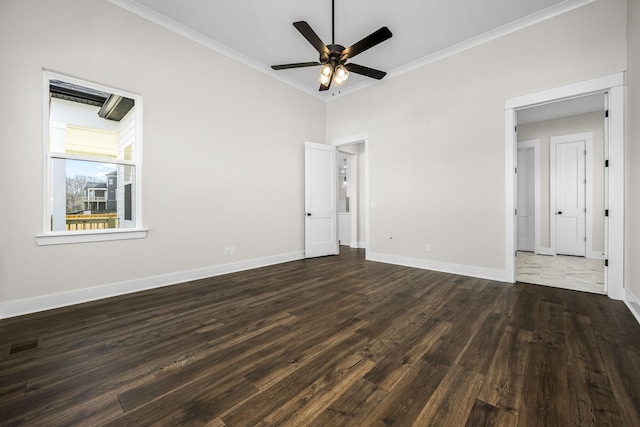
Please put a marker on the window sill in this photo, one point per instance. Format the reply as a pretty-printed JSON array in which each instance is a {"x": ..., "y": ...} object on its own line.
[{"x": 64, "y": 238}]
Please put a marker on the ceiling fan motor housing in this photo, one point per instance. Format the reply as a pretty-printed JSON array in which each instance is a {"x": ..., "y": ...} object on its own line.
[{"x": 335, "y": 56}]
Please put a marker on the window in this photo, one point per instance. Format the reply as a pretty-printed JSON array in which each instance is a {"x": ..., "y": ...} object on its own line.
[{"x": 93, "y": 150}]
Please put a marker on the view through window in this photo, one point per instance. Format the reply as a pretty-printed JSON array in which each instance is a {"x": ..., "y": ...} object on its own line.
[{"x": 92, "y": 157}]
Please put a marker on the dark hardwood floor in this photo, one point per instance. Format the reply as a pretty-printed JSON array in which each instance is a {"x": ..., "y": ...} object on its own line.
[{"x": 327, "y": 342}]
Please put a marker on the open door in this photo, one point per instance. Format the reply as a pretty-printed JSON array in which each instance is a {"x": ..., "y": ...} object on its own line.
[
  {"x": 525, "y": 201},
  {"x": 320, "y": 185}
]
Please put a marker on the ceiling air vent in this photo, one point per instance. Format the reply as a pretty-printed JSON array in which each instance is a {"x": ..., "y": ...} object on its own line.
[{"x": 115, "y": 107}]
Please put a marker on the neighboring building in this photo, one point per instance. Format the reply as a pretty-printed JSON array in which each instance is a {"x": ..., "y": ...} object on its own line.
[
  {"x": 95, "y": 197},
  {"x": 101, "y": 196}
]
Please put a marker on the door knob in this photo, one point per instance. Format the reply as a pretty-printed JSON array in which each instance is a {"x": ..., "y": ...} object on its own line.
[
  {"x": 308, "y": 214},
  {"x": 559, "y": 212}
]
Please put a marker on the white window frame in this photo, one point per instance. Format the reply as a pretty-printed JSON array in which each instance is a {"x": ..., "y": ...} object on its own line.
[{"x": 49, "y": 237}]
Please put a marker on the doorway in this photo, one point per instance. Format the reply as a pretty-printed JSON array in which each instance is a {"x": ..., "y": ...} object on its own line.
[
  {"x": 347, "y": 192},
  {"x": 613, "y": 169},
  {"x": 554, "y": 196},
  {"x": 356, "y": 191}
]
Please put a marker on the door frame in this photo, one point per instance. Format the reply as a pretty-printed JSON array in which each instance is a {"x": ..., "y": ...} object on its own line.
[
  {"x": 613, "y": 86},
  {"x": 361, "y": 138}
]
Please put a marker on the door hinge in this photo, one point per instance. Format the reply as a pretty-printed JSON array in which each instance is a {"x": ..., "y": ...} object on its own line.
[
  {"x": 585, "y": 238},
  {"x": 585, "y": 210},
  {"x": 606, "y": 113},
  {"x": 515, "y": 129},
  {"x": 606, "y": 163},
  {"x": 515, "y": 171},
  {"x": 515, "y": 254},
  {"x": 606, "y": 263},
  {"x": 516, "y": 212},
  {"x": 606, "y": 212}
]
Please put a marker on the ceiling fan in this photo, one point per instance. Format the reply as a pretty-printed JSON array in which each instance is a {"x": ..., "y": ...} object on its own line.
[{"x": 333, "y": 58}]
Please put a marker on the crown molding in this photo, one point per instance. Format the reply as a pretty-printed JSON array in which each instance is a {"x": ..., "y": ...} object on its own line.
[
  {"x": 159, "y": 19},
  {"x": 527, "y": 21}
]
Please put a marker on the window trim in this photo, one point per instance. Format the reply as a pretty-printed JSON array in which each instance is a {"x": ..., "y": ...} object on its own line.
[{"x": 48, "y": 237}]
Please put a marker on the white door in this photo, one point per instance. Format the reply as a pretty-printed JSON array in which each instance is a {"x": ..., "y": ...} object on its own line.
[
  {"x": 526, "y": 200},
  {"x": 320, "y": 179},
  {"x": 570, "y": 198}
]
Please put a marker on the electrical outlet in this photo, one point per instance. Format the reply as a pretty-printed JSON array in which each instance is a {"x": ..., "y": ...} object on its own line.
[
  {"x": 231, "y": 250},
  {"x": 427, "y": 248}
]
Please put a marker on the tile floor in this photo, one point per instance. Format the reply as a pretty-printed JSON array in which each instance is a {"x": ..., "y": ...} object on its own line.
[{"x": 568, "y": 272}]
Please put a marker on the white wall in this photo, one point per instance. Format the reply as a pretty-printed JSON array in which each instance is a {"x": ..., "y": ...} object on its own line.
[
  {"x": 223, "y": 145},
  {"x": 591, "y": 122},
  {"x": 439, "y": 130},
  {"x": 632, "y": 279}
]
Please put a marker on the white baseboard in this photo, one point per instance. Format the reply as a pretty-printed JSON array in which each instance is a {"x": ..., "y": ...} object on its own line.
[
  {"x": 463, "y": 270},
  {"x": 544, "y": 251},
  {"x": 51, "y": 301},
  {"x": 633, "y": 303},
  {"x": 357, "y": 245},
  {"x": 551, "y": 252},
  {"x": 594, "y": 255}
]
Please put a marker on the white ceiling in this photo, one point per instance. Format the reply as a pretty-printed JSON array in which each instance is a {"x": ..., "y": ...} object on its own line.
[{"x": 260, "y": 33}]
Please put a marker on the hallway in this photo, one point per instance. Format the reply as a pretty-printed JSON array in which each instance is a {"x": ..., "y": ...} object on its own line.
[{"x": 567, "y": 272}]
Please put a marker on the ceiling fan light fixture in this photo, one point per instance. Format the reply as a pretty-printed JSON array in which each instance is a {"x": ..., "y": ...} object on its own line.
[
  {"x": 324, "y": 79},
  {"x": 341, "y": 75},
  {"x": 326, "y": 73},
  {"x": 326, "y": 70}
]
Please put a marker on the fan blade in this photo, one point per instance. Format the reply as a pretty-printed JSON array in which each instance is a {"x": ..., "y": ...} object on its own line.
[
  {"x": 296, "y": 65},
  {"x": 365, "y": 71},
  {"x": 368, "y": 42},
  {"x": 323, "y": 87},
  {"x": 311, "y": 37}
]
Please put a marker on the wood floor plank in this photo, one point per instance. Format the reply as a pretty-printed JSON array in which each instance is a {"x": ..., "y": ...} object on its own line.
[
  {"x": 525, "y": 306},
  {"x": 352, "y": 407},
  {"x": 89, "y": 395},
  {"x": 483, "y": 414},
  {"x": 331, "y": 341},
  {"x": 404, "y": 404},
  {"x": 622, "y": 368},
  {"x": 270, "y": 399},
  {"x": 545, "y": 395},
  {"x": 390, "y": 371},
  {"x": 480, "y": 350},
  {"x": 505, "y": 378},
  {"x": 315, "y": 398},
  {"x": 181, "y": 372},
  {"x": 298, "y": 355},
  {"x": 452, "y": 401},
  {"x": 398, "y": 330},
  {"x": 199, "y": 404},
  {"x": 593, "y": 401}
]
